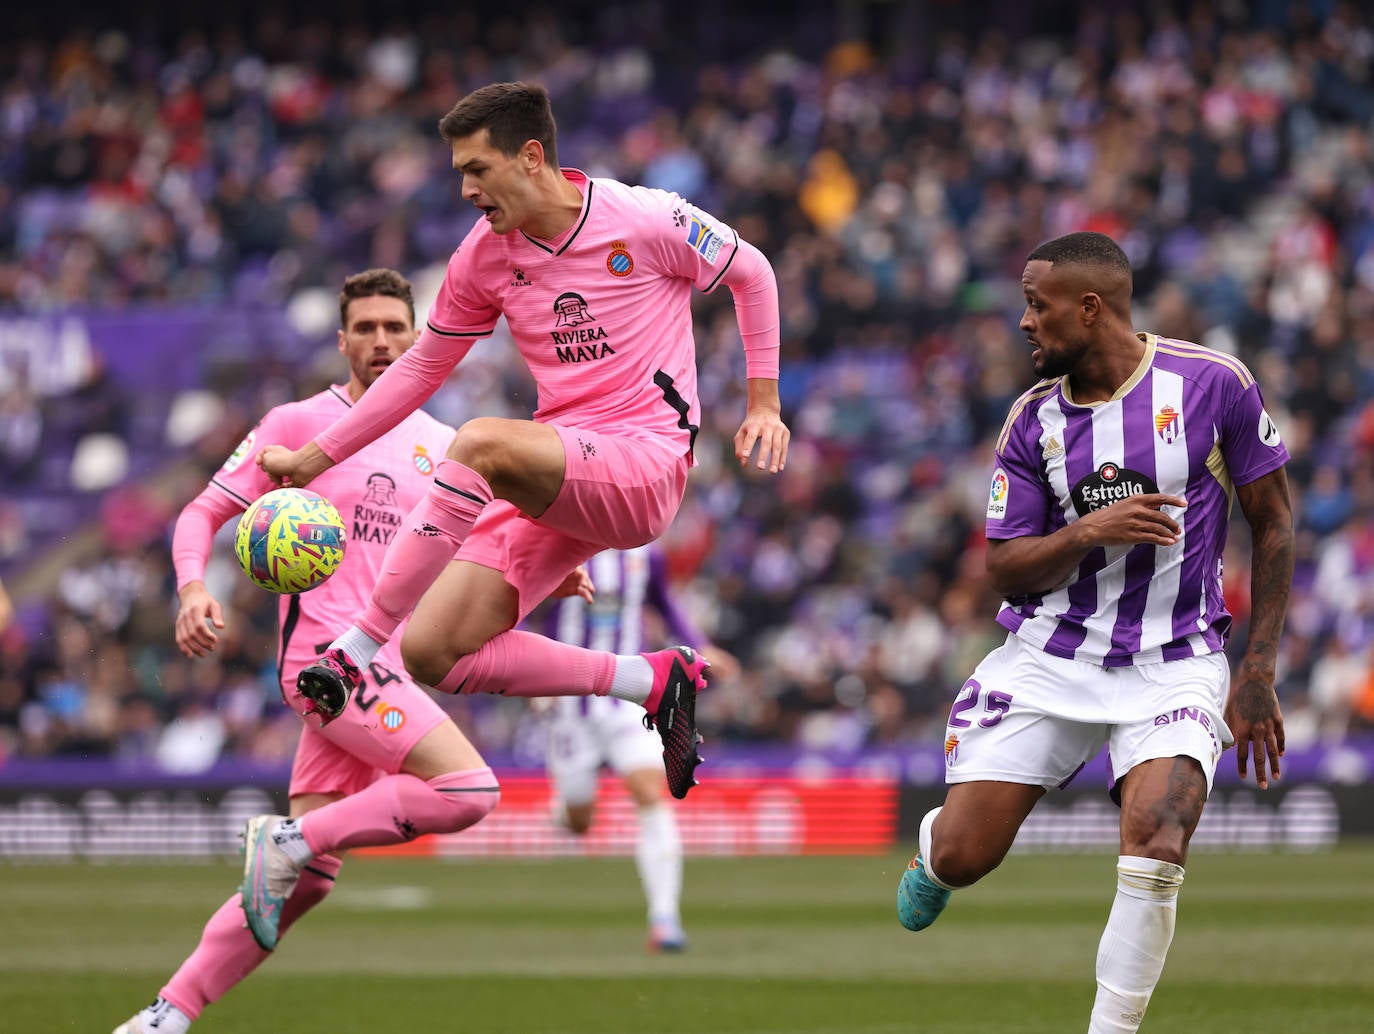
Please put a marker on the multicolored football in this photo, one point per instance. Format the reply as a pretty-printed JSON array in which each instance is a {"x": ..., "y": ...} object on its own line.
[{"x": 290, "y": 540}]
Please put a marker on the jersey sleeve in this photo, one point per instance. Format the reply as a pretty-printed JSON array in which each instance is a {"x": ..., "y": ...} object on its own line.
[
  {"x": 232, "y": 489},
  {"x": 695, "y": 245},
  {"x": 460, "y": 310},
  {"x": 193, "y": 535},
  {"x": 402, "y": 388},
  {"x": 240, "y": 477},
  {"x": 1250, "y": 440},
  {"x": 1019, "y": 498}
]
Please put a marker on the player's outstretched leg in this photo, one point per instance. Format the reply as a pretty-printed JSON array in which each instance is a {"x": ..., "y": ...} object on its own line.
[
  {"x": 920, "y": 899},
  {"x": 679, "y": 674},
  {"x": 328, "y": 684},
  {"x": 269, "y": 877}
]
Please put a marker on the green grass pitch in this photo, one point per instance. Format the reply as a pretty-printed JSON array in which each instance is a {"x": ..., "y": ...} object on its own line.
[{"x": 779, "y": 946}]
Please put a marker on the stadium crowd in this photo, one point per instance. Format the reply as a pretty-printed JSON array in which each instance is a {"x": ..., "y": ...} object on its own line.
[{"x": 897, "y": 189}]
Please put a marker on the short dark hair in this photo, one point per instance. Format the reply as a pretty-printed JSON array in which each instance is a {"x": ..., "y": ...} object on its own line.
[
  {"x": 511, "y": 113},
  {"x": 372, "y": 282},
  {"x": 1084, "y": 248}
]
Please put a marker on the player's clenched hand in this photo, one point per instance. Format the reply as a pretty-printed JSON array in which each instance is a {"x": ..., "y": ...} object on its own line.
[
  {"x": 764, "y": 428},
  {"x": 296, "y": 467},
  {"x": 1135, "y": 520},
  {"x": 1255, "y": 720},
  {"x": 194, "y": 637}
]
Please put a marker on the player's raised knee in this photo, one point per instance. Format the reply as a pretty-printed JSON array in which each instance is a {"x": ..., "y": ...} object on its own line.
[
  {"x": 428, "y": 661},
  {"x": 481, "y": 444}
]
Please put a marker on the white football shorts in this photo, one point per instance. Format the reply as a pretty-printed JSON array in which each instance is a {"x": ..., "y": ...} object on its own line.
[
  {"x": 1025, "y": 716},
  {"x": 588, "y": 732}
]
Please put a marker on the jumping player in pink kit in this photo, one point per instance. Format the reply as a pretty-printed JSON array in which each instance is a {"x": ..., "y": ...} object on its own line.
[
  {"x": 393, "y": 750},
  {"x": 594, "y": 280}
]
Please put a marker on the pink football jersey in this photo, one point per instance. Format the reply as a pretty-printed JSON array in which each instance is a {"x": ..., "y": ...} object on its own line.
[
  {"x": 373, "y": 490},
  {"x": 602, "y": 314}
]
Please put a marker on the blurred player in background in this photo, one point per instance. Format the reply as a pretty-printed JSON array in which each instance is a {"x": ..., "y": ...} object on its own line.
[
  {"x": 6, "y": 608},
  {"x": 393, "y": 750},
  {"x": 1106, "y": 525},
  {"x": 585, "y": 733},
  {"x": 594, "y": 279}
]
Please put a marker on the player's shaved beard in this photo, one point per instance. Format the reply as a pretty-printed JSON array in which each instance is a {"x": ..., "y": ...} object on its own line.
[
  {"x": 1061, "y": 361},
  {"x": 366, "y": 375}
]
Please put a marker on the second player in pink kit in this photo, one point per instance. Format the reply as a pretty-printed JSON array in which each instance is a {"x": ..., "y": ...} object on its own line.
[
  {"x": 394, "y": 752},
  {"x": 594, "y": 279}
]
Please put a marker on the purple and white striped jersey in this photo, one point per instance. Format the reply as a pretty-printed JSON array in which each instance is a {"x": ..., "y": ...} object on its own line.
[
  {"x": 628, "y": 582},
  {"x": 1189, "y": 422}
]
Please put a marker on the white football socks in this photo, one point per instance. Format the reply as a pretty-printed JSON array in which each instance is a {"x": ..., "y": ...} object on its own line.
[
  {"x": 162, "y": 1017},
  {"x": 633, "y": 679},
  {"x": 658, "y": 856},
  {"x": 923, "y": 840},
  {"x": 290, "y": 839},
  {"x": 360, "y": 647},
  {"x": 1130, "y": 956}
]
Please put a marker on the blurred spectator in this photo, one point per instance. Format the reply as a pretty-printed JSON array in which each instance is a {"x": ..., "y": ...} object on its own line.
[{"x": 895, "y": 178}]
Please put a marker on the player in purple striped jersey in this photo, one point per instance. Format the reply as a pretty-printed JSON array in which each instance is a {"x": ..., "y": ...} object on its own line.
[
  {"x": 1106, "y": 524},
  {"x": 621, "y": 588}
]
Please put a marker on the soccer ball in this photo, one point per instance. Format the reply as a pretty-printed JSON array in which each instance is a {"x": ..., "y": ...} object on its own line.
[{"x": 290, "y": 540}]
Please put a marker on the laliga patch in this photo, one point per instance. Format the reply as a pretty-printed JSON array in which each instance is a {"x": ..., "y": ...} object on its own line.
[
  {"x": 997, "y": 495},
  {"x": 703, "y": 238},
  {"x": 244, "y": 450},
  {"x": 1268, "y": 430}
]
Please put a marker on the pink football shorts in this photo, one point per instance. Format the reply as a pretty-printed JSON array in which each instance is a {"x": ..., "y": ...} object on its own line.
[
  {"x": 386, "y": 717},
  {"x": 617, "y": 493}
]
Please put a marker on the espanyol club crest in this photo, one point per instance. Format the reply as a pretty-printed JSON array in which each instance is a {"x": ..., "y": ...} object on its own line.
[
  {"x": 619, "y": 262},
  {"x": 391, "y": 717}
]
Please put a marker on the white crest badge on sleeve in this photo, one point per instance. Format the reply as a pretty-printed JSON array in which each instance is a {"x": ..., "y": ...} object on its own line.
[{"x": 1268, "y": 430}]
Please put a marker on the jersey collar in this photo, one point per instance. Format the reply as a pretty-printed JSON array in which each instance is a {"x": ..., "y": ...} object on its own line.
[{"x": 582, "y": 182}]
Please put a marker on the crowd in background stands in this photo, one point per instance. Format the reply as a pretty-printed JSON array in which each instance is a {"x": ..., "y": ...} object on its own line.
[{"x": 897, "y": 190}]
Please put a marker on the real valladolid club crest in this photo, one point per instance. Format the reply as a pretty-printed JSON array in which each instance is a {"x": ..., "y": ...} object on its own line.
[{"x": 1168, "y": 424}]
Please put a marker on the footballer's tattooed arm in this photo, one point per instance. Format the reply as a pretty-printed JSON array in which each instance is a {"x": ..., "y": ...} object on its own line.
[{"x": 1252, "y": 711}]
